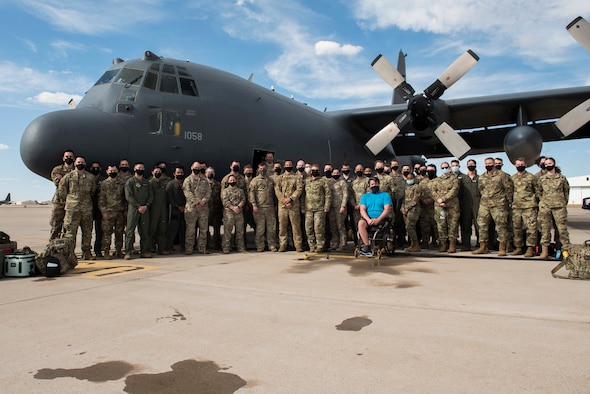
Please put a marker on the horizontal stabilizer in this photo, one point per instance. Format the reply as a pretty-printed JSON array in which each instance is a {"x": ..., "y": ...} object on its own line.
[
  {"x": 452, "y": 141},
  {"x": 574, "y": 119},
  {"x": 579, "y": 28}
]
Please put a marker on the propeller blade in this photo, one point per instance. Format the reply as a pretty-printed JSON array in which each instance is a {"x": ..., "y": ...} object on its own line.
[
  {"x": 580, "y": 30},
  {"x": 574, "y": 119},
  {"x": 452, "y": 74},
  {"x": 393, "y": 77},
  {"x": 452, "y": 141},
  {"x": 380, "y": 140}
]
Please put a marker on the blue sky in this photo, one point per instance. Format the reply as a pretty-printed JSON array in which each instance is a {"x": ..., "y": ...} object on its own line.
[{"x": 317, "y": 51}]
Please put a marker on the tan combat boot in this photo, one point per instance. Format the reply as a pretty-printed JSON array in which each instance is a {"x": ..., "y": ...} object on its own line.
[
  {"x": 517, "y": 251},
  {"x": 544, "y": 252},
  {"x": 442, "y": 246},
  {"x": 502, "y": 249},
  {"x": 529, "y": 252},
  {"x": 107, "y": 255},
  {"x": 452, "y": 246},
  {"x": 119, "y": 253},
  {"x": 414, "y": 247},
  {"x": 483, "y": 248}
]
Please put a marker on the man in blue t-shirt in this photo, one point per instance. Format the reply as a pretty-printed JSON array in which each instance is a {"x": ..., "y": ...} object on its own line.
[{"x": 375, "y": 207}]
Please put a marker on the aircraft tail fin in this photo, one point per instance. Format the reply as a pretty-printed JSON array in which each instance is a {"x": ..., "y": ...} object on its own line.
[
  {"x": 401, "y": 67},
  {"x": 7, "y": 199}
]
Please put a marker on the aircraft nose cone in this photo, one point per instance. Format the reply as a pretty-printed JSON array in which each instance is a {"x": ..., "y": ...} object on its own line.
[{"x": 87, "y": 131}]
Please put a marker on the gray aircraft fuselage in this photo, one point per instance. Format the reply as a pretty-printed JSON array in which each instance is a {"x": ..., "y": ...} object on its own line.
[{"x": 155, "y": 109}]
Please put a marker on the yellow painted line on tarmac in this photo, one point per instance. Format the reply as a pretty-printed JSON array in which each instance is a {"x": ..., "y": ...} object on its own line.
[{"x": 101, "y": 269}]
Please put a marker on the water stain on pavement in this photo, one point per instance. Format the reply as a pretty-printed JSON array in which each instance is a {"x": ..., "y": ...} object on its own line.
[
  {"x": 101, "y": 372},
  {"x": 188, "y": 376},
  {"x": 354, "y": 323}
]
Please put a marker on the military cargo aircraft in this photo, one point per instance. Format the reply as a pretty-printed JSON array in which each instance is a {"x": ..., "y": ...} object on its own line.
[
  {"x": 6, "y": 200},
  {"x": 158, "y": 109}
]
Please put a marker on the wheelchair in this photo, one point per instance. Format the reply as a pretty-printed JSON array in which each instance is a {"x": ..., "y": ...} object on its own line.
[{"x": 381, "y": 240}]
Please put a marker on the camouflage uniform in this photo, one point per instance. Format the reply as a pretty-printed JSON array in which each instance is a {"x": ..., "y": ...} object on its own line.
[
  {"x": 196, "y": 189},
  {"x": 76, "y": 190},
  {"x": 138, "y": 192},
  {"x": 496, "y": 190},
  {"x": 231, "y": 197},
  {"x": 340, "y": 199},
  {"x": 394, "y": 184},
  {"x": 317, "y": 201},
  {"x": 360, "y": 186},
  {"x": 215, "y": 214},
  {"x": 262, "y": 196},
  {"x": 446, "y": 188},
  {"x": 412, "y": 202},
  {"x": 158, "y": 214},
  {"x": 176, "y": 223},
  {"x": 524, "y": 209},
  {"x": 111, "y": 201},
  {"x": 428, "y": 226},
  {"x": 289, "y": 185},
  {"x": 554, "y": 191},
  {"x": 58, "y": 211}
]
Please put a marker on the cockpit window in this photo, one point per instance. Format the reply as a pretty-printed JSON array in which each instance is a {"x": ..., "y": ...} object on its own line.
[
  {"x": 151, "y": 81},
  {"x": 130, "y": 76},
  {"x": 168, "y": 84},
  {"x": 188, "y": 87},
  {"x": 168, "y": 69},
  {"x": 107, "y": 77}
]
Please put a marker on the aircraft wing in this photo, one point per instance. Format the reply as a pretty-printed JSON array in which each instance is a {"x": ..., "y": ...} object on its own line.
[{"x": 483, "y": 122}]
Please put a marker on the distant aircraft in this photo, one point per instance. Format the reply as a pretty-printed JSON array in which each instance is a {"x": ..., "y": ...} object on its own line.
[
  {"x": 579, "y": 28},
  {"x": 6, "y": 200},
  {"x": 157, "y": 109}
]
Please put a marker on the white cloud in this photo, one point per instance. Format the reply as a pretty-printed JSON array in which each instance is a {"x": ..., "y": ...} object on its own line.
[
  {"x": 4, "y": 147},
  {"x": 55, "y": 98},
  {"x": 334, "y": 48},
  {"x": 97, "y": 17}
]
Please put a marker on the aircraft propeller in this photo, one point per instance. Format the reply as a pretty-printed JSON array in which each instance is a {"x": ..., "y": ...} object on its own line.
[
  {"x": 420, "y": 107},
  {"x": 579, "y": 28}
]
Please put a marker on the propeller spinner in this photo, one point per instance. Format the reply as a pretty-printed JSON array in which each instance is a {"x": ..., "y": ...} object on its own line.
[{"x": 419, "y": 111}]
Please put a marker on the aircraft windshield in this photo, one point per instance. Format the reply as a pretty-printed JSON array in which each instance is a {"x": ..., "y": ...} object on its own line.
[
  {"x": 107, "y": 77},
  {"x": 126, "y": 76}
]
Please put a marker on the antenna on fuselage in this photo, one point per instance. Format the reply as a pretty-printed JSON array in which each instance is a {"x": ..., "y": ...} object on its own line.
[{"x": 250, "y": 77}]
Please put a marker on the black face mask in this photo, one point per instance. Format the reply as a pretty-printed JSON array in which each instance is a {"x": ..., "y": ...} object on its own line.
[
  {"x": 288, "y": 169},
  {"x": 498, "y": 166},
  {"x": 423, "y": 172},
  {"x": 235, "y": 168},
  {"x": 203, "y": 170},
  {"x": 231, "y": 183},
  {"x": 248, "y": 174},
  {"x": 80, "y": 166},
  {"x": 490, "y": 168},
  {"x": 113, "y": 174},
  {"x": 158, "y": 175},
  {"x": 328, "y": 174},
  {"x": 549, "y": 168},
  {"x": 179, "y": 177},
  {"x": 262, "y": 172},
  {"x": 69, "y": 161},
  {"x": 471, "y": 168},
  {"x": 277, "y": 170},
  {"x": 359, "y": 173},
  {"x": 315, "y": 173},
  {"x": 124, "y": 169},
  {"x": 520, "y": 168},
  {"x": 394, "y": 168},
  {"x": 406, "y": 173},
  {"x": 346, "y": 172},
  {"x": 140, "y": 172},
  {"x": 196, "y": 171},
  {"x": 379, "y": 170},
  {"x": 210, "y": 176},
  {"x": 95, "y": 171},
  {"x": 301, "y": 169},
  {"x": 375, "y": 189},
  {"x": 431, "y": 174},
  {"x": 336, "y": 177},
  {"x": 163, "y": 170}
]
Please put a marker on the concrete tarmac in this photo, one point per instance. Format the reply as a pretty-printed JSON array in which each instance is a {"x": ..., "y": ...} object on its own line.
[{"x": 291, "y": 323}]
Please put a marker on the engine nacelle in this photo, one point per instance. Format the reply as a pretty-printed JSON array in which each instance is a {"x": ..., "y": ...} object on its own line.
[{"x": 523, "y": 141}]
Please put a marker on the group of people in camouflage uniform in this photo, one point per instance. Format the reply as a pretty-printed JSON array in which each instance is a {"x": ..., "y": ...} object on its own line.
[{"x": 318, "y": 210}]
